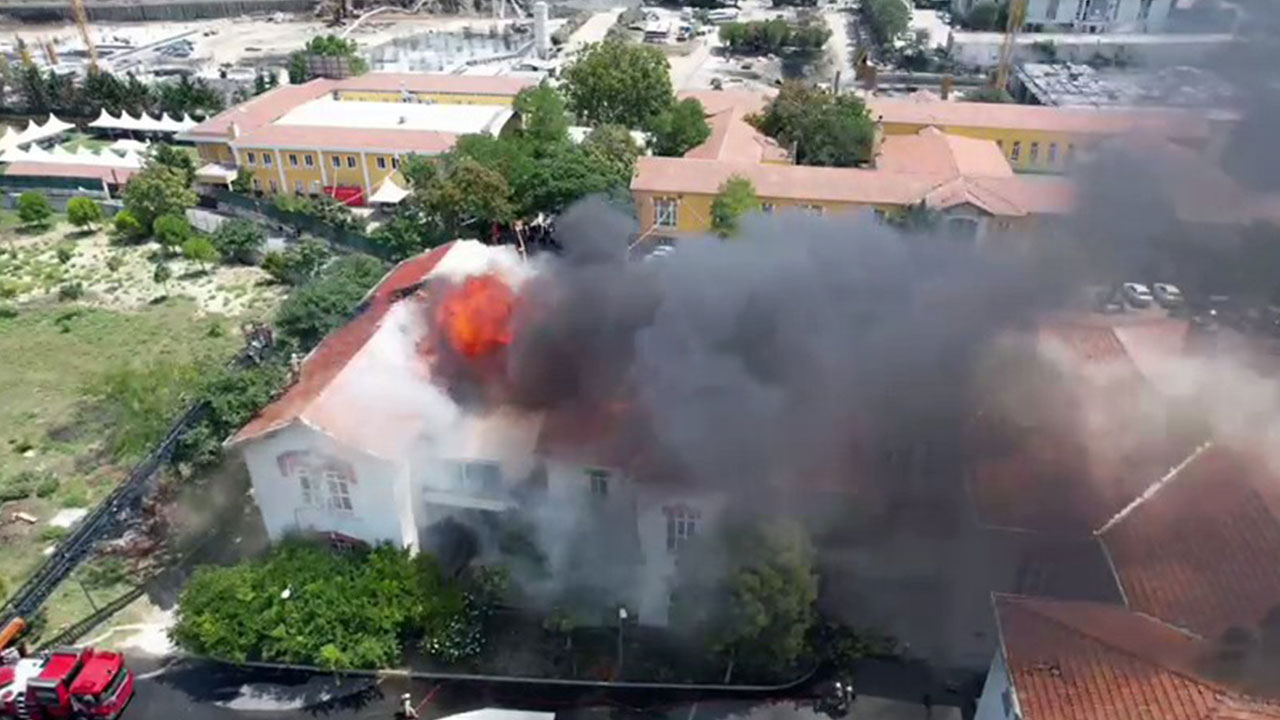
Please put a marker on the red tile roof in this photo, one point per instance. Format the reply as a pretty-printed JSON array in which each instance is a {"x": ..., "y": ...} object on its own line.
[
  {"x": 1167, "y": 123},
  {"x": 1089, "y": 661},
  {"x": 261, "y": 110},
  {"x": 343, "y": 138},
  {"x": 500, "y": 85},
  {"x": 110, "y": 175},
  {"x": 1204, "y": 552},
  {"x": 323, "y": 365}
]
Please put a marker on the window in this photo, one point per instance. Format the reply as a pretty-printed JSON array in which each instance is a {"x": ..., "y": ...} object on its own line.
[
  {"x": 323, "y": 483},
  {"x": 1035, "y": 152},
  {"x": 257, "y": 184},
  {"x": 766, "y": 208},
  {"x": 382, "y": 163},
  {"x": 1016, "y": 152},
  {"x": 308, "y": 161},
  {"x": 1053, "y": 153},
  {"x": 310, "y": 489},
  {"x": 251, "y": 158},
  {"x": 337, "y": 161},
  {"x": 293, "y": 160},
  {"x": 599, "y": 482},
  {"x": 395, "y": 163},
  {"x": 351, "y": 161},
  {"x": 266, "y": 159},
  {"x": 339, "y": 489},
  {"x": 682, "y": 525},
  {"x": 811, "y": 209},
  {"x": 475, "y": 477},
  {"x": 665, "y": 212},
  {"x": 299, "y": 187},
  {"x": 274, "y": 187},
  {"x": 315, "y": 187}
]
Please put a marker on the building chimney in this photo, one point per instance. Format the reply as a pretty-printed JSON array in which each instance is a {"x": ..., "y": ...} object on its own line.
[
  {"x": 233, "y": 130},
  {"x": 541, "y": 36}
]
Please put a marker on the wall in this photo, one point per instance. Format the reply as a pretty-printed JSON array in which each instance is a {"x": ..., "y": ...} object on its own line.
[
  {"x": 315, "y": 176},
  {"x": 373, "y": 493},
  {"x": 658, "y": 575},
  {"x": 694, "y": 211},
  {"x": 132, "y": 11},
  {"x": 1006, "y": 138},
  {"x": 437, "y": 97},
  {"x": 997, "y": 693},
  {"x": 215, "y": 152}
]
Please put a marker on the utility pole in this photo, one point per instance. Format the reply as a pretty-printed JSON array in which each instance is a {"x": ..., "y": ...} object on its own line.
[{"x": 622, "y": 617}]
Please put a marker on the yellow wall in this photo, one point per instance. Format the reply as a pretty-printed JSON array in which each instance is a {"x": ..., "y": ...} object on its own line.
[
  {"x": 1007, "y": 137},
  {"x": 454, "y": 99},
  {"x": 312, "y": 178},
  {"x": 215, "y": 152},
  {"x": 694, "y": 210}
]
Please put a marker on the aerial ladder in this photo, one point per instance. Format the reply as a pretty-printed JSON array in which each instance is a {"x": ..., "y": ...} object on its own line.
[
  {"x": 1017, "y": 14},
  {"x": 82, "y": 23}
]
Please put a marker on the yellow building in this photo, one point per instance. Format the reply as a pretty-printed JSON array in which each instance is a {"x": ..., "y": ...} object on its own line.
[
  {"x": 967, "y": 178},
  {"x": 1038, "y": 138},
  {"x": 346, "y": 137}
]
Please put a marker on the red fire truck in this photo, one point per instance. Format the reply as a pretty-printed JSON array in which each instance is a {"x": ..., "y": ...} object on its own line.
[{"x": 64, "y": 684}]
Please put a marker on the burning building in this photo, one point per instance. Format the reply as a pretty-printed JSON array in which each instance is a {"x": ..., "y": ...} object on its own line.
[{"x": 399, "y": 430}]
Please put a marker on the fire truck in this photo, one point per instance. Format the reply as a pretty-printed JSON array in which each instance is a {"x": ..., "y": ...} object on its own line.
[{"x": 63, "y": 684}]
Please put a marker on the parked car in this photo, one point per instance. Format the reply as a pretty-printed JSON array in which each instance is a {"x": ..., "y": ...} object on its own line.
[
  {"x": 1167, "y": 295},
  {"x": 1138, "y": 295}
]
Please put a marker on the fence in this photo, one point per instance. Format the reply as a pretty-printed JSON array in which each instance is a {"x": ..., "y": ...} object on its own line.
[{"x": 265, "y": 210}]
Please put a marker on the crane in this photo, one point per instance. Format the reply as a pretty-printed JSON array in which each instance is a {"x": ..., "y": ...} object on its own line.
[
  {"x": 1017, "y": 13},
  {"x": 82, "y": 22}
]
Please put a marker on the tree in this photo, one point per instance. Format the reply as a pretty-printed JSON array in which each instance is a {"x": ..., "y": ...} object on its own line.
[
  {"x": 33, "y": 209},
  {"x": 821, "y": 128},
  {"x": 243, "y": 182},
  {"x": 126, "y": 225},
  {"x": 176, "y": 158},
  {"x": 239, "y": 240},
  {"x": 200, "y": 249},
  {"x": 620, "y": 83},
  {"x": 83, "y": 212},
  {"x": 157, "y": 190},
  {"x": 469, "y": 195},
  {"x": 231, "y": 397},
  {"x": 162, "y": 275},
  {"x": 139, "y": 400},
  {"x": 543, "y": 110},
  {"x": 187, "y": 95},
  {"x": 983, "y": 16},
  {"x": 885, "y": 19},
  {"x": 680, "y": 128},
  {"x": 613, "y": 147},
  {"x": 758, "y": 612},
  {"x": 736, "y": 198},
  {"x": 171, "y": 232},
  {"x": 406, "y": 234},
  {"x": 300, "y": 263},
  {"x": 324, "y": 304}
]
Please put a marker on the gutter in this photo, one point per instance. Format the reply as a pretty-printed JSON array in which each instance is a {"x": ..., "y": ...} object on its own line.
[{"x": 1154, "y": 488}]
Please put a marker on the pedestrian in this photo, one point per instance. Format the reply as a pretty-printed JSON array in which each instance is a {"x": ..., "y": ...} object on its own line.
[{"x": 406, "y": 707}]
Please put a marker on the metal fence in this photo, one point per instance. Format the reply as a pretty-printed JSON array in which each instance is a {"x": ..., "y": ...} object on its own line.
[{"x": 265, "y": 210}]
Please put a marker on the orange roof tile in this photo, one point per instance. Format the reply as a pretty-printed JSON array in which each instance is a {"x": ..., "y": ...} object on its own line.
[
  {"x": 110, "y": 175},
  {"x": 256, "y": 112},
  {"x": 340, "y": 138},
  {"x": 1071, "y": 660},
  {"x": 944, "y": 114},
  {"x": 798, "y": 182},
  {"x": 934, "y": 152},
  {"x": 502, "y": 85},
  {"x": 323, "y": 365},
  {"x": 1204, "y": 551}
]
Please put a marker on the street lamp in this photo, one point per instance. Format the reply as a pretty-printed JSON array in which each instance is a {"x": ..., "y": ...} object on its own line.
[{"x": 622, "y": 616}]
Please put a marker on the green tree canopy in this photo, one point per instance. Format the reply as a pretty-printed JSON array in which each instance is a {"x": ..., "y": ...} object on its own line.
[
  {"x": 736, "y": 198},
  {"x": 620, "y": 83},
  {"x": 239, "y": 240},
  {"x": 176, "y": 158},
  {"x": 126, "y": 225},
  {"x": 157, "y": 190},
  {"x": 983, "y": 16},
  {"x": 545, "y": 114},
  {"x": 466, "y": 194},
  {"x": 200, "y": 249},
  {"x": 680, "y": 128},
  {"x": 407, "y": 233},
  {"x": 171, "y": 231},
  {"x": 822, "y": 128},
  {"x": 324, "y": 304},
  {"x": 34, "y": 209},
  {"x": 162, "y": 275},
  {"x": 774, "y": 36},
  {"x": 83, "y": 212},
  {"x": 885, "y": 19},
  {"x": 613, "y": 147}
]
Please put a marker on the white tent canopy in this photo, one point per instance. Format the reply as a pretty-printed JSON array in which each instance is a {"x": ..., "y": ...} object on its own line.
[
  {"x": 83, "y": 156},
  {"x": 143, "y": 123},
  {"x": 124, "y": 145},
  {"x": 389, "y": 192},
  {"x": 33, "y": 132}
]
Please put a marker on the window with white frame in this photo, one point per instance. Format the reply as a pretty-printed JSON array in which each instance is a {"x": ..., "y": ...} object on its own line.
[
  {"x": 257, "y": 184},
  {"x": 351, "y": 161},
  {"x": 395, "y": 163},
  {"x": 599, "y": 480},
  {"x": 1016, "y": 152},
  {"x": 266, "y": 159},
  {"x": 339, "y": 489},
  {"x": 475, "y": 476},
  {"x": 293, "y": 160},
  {"x": 337, "y": 161},
  {"x": 1035, "y": 152},
  {"x": 251, "y": 158},
  {"x": 812, "y": 209},
  {"x": 766, "y": 208},
  {"x": 323, "y": 482},
  {"x": 299, "y": 187},
  {"x": 274, "y": 187},
  {"x": 382, "y": 163},
  {"x": 665, "y": 211},
  {"x": 308, "y": 161},
  {"x": 1053, "y": 153},
  {"x": 682, "y": 526}
]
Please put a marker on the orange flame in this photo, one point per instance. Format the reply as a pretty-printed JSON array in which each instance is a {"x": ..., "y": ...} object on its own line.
[{"x": 475, "y": 317}]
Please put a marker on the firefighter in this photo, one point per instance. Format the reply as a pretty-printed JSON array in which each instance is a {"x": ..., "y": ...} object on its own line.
[{"x": 406, "y": 707}]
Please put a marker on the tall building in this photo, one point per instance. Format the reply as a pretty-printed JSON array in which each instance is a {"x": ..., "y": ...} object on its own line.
[{"x": 1092, "y": 16}]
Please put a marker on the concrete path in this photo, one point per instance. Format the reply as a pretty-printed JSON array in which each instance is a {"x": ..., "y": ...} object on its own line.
[{"x": 592, "y": 31}]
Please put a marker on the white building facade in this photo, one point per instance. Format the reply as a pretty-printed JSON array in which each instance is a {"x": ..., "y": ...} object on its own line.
[{"x": 1089, "y": 16}]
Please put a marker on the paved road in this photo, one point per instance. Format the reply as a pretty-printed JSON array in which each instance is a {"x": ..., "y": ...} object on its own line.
[
  {"x": 593, "y": 30},
  {"x": 842, "y": 44}
]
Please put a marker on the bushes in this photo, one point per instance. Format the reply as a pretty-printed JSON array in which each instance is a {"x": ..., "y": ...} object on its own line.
[
  {"x": 83, "y": 212},
  {"x": 774, "y": 36},
  {"x": 171, "y": 231},
  {"x": 34, "y": 209},
  {"x": 126, "y": 225},
  {"x": 305, "y": 604},
  {"x": 239, "y": 240},
  {"x": 71, "y": 291},
  {"x": 323, "y": 208},
  {"x": 324, "y": 304}
]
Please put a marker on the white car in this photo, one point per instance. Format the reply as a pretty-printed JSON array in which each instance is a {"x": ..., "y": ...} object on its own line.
[
  {"x": 1138, "y": 295},
  {"x": 1167, "y": 295}
]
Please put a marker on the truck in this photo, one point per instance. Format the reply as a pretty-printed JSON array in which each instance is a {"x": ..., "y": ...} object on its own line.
[{"x": 69, "y": 683}]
